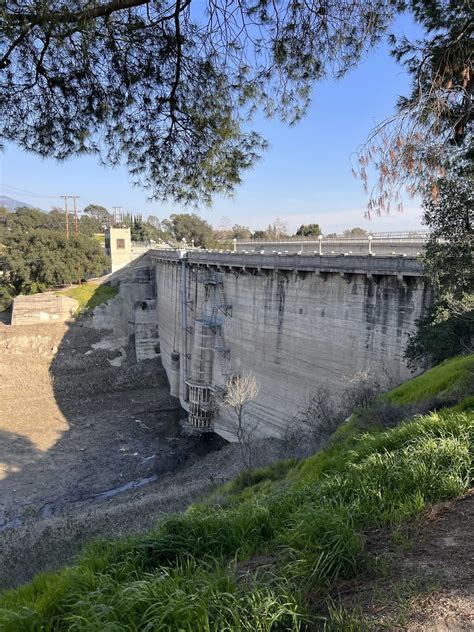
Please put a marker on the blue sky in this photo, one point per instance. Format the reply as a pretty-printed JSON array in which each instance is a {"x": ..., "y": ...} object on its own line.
[{"x": 305, "y": 176}]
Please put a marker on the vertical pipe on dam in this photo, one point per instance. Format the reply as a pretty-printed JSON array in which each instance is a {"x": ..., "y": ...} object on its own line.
[
  {"x": 184, "y": 325},
  {"x": 174, "y": 374}
]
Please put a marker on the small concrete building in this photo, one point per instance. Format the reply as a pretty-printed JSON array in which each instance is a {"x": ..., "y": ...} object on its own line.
[{"x": 118, "y": 246}]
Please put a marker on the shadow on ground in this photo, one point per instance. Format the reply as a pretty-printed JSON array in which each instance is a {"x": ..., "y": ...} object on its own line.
[
  {"x": 16, "y": 452},
  {"x": 80, "y": 441}
]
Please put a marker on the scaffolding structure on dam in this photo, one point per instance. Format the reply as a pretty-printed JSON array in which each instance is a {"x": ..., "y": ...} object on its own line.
[{"x": 210, "y": 354}]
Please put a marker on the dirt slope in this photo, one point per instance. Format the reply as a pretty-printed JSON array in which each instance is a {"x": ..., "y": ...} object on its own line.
[
  {"x": 74, "y": 428},
  {"x": 424, "y": 578}
]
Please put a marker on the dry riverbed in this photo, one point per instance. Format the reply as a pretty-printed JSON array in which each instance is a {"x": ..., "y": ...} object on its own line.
[{"x": 87, "y": 448}]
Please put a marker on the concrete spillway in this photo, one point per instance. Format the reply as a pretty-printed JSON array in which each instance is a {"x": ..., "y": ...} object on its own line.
[{"x": 296, "y": 322}]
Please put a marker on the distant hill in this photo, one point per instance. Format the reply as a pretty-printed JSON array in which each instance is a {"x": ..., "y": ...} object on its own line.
[{"x": 10, "y": 204}]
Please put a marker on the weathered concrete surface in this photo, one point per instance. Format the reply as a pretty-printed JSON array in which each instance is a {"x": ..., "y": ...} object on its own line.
[
  {"x": 42, "y": 308},
  {"x": 118, "y": 246},
  {"x": 134, "y": 283},
  {"x": 147, "y": 342},
  {"x": 297, "y": 326},
  {"x": 400, "y": 266},
  {"x": 297, "y": 334}
]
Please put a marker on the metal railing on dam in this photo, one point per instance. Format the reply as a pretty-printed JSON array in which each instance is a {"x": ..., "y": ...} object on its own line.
[
  {"x": 408, "y": 243},
  {"x": 391, "y": 265}
]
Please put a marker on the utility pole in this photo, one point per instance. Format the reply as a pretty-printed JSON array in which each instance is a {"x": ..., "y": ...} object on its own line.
[
  {"x": 76, "y": 229},
  {"x": 66, "y": 211},
  {"x": 67, "y": 214}
]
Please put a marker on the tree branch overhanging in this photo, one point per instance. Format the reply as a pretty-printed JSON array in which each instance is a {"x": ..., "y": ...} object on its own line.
[
  {"x": 167, "y": 89},
  {"x": 64, "y": 16}
]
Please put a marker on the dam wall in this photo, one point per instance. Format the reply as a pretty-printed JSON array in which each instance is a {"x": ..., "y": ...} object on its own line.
[{"x": 296, "y": 322}]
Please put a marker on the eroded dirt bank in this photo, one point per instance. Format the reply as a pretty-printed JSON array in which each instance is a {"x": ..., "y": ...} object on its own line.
[
  {"x": 423, "y": 575},
  {"x": 87, "y": 448}
]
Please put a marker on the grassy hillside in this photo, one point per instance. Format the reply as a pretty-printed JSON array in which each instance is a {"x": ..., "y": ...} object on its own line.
[
  {"x": 259, "y": 553},
  {"x": 447, "y": 380},
  {"x": 448, "y": 385},
  {"x": 90, "y": 294}
]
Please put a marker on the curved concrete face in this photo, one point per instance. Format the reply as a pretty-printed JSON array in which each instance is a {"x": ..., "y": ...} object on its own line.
[{"x": 295, "y": 329}]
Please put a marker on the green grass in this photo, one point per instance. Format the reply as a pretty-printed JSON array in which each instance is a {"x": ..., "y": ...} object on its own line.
[
  {"x": 89, "y": 295},
  {"x": 198, "y": 571},
  {"x": 449, "y": 384},
  {"x": 441, "y": 380},
  {"x": 185, "y": 574},
  {"x": 465, "y": 404}
]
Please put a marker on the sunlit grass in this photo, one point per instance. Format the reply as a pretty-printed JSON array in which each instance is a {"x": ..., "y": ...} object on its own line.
[
  {"x": 89, "y": 295},
  {"x": 441, "y": 379}
]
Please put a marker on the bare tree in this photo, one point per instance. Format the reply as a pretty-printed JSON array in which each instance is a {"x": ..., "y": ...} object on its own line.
[
  {"x": 277, "y": 230},
  {"x": 240, "y": 391},
  {"x": 361, "y": 390}
]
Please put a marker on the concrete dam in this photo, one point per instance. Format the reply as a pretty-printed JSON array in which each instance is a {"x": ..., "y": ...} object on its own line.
[{"x": 298, "y": 322}]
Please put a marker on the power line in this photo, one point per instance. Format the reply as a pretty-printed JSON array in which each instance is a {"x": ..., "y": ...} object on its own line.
[{"x": 18, "y": 191}]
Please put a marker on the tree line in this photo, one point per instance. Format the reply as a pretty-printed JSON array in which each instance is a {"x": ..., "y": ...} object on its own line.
[
  {"x": 179, "y": 228},
  {"x": 36, "y": 255}
]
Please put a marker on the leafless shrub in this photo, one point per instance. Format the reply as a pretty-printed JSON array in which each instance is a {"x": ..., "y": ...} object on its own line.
[
  {"x": 323, "y": 414},
  {"x": 311, "y": 427},
  {"x": 313, "y": 424},
  {"x": 384, "y": 413},
  {"x": 240, "y": 391},
  {"x": 362, "y": 388},
  {"x": 294, "y": 441}
]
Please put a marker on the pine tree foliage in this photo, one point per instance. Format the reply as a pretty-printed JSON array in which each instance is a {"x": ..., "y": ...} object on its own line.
[
  {"x": 412, "y": 146},
  {"x": 167, "y": 86},
  {"x": 447, "y": 328}
]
